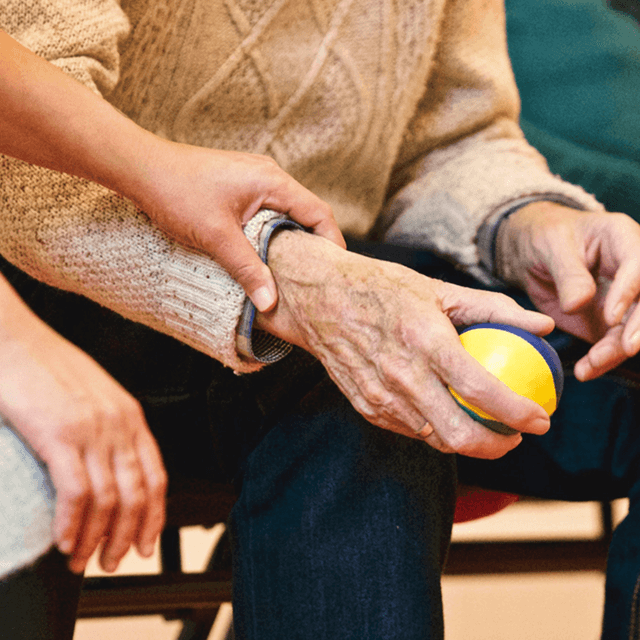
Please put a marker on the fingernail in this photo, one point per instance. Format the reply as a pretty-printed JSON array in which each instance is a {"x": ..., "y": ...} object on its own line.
[
  {"x": 110, "y": 566},
  {"x": 262, "y": 298},
  {"x": 147, "y": 549},
  {"x": 617, "y": 312},
  {"x": 635, "y": 341}
]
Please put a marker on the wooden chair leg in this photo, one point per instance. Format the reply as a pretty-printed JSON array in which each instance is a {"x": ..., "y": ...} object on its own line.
[
  {"x": 170, "y": 550},
  {"x": 199, "y": 625}
]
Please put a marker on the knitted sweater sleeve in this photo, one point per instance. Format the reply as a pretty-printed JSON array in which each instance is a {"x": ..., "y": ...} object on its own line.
[
  {"x": 464, "y": 158},
  {"x": 79, "y": 236}
]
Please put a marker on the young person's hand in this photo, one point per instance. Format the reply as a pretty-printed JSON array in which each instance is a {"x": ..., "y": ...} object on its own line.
[
  {"x": 104, "y": 463},
  {"x": 200, "y": 197},
  {"x": 203, "y": 197}
]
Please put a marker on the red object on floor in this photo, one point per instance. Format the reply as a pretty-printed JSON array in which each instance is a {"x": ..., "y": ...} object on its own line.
[{"x": 474, "y": 503}]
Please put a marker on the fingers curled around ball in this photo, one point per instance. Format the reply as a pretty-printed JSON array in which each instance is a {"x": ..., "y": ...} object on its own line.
[
  {"x": 424, "y": 431},
  {"x": 431, "y": 437}
]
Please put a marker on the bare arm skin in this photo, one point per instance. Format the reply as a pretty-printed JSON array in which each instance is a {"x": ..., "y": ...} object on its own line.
[
  {"x": 105, "y": 465},
  {"x": 200, "y": 197}
]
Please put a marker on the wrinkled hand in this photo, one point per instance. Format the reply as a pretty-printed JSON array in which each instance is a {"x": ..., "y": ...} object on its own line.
[
  {"x": 582, "y": 269},
  {"x": 202, "y": 197},
  {"x": 386, "y": 336},
  {"x": 104, "y": 463}
]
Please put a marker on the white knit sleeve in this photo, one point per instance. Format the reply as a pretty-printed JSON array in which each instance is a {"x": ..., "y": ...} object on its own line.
[{"x": 79, "y": 236}]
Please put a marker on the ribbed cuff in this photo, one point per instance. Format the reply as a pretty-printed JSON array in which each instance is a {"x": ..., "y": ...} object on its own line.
[
  {"x": 203, "y": 305},
  {"x": 253, "y": 344}
]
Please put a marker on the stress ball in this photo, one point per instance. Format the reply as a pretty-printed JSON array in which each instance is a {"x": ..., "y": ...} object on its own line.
[{"x": 526, "y": 363}]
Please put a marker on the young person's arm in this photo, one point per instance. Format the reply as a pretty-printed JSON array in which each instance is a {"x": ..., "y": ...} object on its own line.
[
  {"x": 199, "y": 197},
  {"x": 90, "y": 432}
]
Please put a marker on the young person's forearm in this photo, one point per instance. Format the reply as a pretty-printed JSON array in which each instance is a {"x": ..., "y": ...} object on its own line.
[{"x": 49, "y": 119}]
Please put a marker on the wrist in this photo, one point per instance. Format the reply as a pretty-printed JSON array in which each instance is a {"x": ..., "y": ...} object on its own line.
[
  {"x": 286, "y": 253},
  {"x": 252, "y": 341},
  {"x": 310, "y": 272},
  {"x": 318, "y": 282},
  {"x": 19, "y": 325},
  {"x": 133, "y": 163},
  {"x": 513, "y": 247}
]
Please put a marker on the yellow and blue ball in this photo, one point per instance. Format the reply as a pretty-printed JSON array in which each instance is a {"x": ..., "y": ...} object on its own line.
[{"x": 526, "y": 363}]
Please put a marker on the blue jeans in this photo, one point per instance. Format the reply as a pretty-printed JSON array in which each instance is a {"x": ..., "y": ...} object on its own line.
[{"x": 341, "y": 529}]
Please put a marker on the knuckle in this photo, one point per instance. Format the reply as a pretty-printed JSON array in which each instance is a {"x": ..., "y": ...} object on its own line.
[
  {"x": 210, "y": 227},
  {"x": 498, "y": 296},
  {"x": 461, "y": 441},
  {"x": 134, "y": 500},
  {"x": 208, "y": 236},
  {"x": 402, "y": 379},
  {"x": 375, "y": 395},
  {"x": 461, "y": 438},
  {"x": 132, "y": 409},
  {"x": 75, "y": 494},
  {"x": 500, "y": 301},
  {"x": 158, "y": 483},
  {"x": 97, "y": 415},
  {"x": 443, "y": 360},
  {"x": 471, "y": 389},
  {"x": 107, "y": 498},
  {"x": 266, "y": 160},
  {"x": 249, "y": 273},
  {"x": 111, "y": 414},
  {"x": 153, "y": 524},
  {"x": 364, "y": 408},
  {"x": 111, "y": 559},
  {"x": 84, "y": 414},
  {"x": 438, "y": 341},
  {"x": 326, "y": 210}
]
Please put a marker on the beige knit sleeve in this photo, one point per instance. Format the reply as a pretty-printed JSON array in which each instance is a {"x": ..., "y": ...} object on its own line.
[
  {"x": 79, "y": 236},
  {"x": 464, "y": 156}
]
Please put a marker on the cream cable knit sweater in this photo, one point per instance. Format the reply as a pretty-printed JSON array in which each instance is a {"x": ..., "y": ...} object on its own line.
[{"x": 401, "y": 114}]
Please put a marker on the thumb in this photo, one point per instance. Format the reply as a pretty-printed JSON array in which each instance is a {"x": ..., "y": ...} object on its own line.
[{"x": 235, "y": 254}]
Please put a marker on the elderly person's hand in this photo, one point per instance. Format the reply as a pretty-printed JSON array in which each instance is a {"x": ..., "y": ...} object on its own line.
[
  {"x": 386, "y": 336},
  {"x": 582, "y": 269},
  {"x": 104, "y": 463}
]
